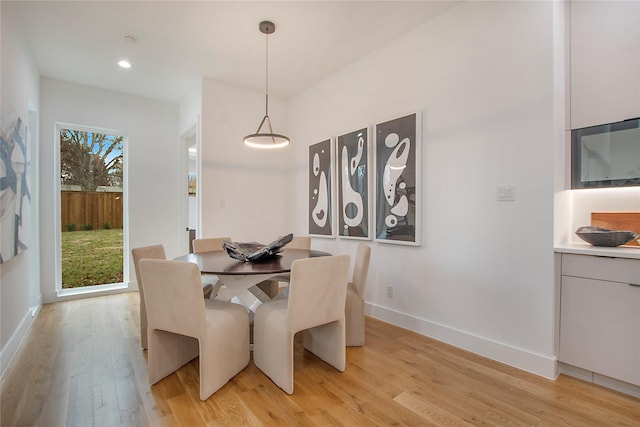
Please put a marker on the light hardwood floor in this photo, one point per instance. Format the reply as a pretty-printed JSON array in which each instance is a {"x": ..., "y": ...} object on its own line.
[{"x": 82, "y": 365}]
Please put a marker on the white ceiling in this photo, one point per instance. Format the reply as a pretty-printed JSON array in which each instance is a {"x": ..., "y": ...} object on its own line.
[{"x": 179, "y": 42}]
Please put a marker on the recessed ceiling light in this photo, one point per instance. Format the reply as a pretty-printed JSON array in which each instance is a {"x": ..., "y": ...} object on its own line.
[{"x": 129, "y": 40}]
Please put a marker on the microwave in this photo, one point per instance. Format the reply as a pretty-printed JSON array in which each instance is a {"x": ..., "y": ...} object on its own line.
[{"x": 606, "y": 155}]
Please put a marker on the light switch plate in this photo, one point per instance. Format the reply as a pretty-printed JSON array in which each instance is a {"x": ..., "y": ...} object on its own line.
[{"x": 506, "y": 193}]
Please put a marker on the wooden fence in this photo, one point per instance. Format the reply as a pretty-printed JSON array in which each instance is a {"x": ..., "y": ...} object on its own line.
[{"x": 81, "y": 210}]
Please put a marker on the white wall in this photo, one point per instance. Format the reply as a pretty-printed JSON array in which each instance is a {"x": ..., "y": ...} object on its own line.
[
  {"x": 152, "y": 146},
  {"x": 19, "y": 95},
  {"x": 190, "y": 110},
  {"x": 483, "y": 76},
  {"x": 244, "y": 190}
]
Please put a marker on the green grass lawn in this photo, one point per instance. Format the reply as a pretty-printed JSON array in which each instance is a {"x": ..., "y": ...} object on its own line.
[{"x": 91, "y": 258}]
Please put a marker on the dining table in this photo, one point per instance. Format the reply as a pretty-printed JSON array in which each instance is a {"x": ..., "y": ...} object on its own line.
[{"x": 241, "y": 277}]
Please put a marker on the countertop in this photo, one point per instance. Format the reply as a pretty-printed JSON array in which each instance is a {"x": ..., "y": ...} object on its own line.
[{"x": 587, "y": 249}]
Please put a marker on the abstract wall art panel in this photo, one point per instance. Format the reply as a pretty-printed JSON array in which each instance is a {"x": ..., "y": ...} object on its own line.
[
  {"x": 15, "y": 198},
  {"x": 320, "y": 186},
  {"x": 352, "y": 166},
  {"x": 397, "y": 180}
]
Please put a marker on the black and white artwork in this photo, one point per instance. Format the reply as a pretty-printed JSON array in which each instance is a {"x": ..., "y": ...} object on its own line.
[
  {"x": 353, "y": 185},
  {"x": 320, "y": 218},
  {"x": 15, "y": 198},
  {"x": 397, "y": 180}
]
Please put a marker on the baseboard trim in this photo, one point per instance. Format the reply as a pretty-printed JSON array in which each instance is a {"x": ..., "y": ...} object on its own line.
[
  {"x": 538, "y": 364},
  {"x": 12, "y": 346}
]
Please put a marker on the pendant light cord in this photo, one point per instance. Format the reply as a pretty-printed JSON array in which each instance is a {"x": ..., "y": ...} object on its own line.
[{"x": 266, "y": 108}]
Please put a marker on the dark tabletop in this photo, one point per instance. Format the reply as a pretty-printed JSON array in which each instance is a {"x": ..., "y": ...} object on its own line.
[{"x": 218, "y": 262}]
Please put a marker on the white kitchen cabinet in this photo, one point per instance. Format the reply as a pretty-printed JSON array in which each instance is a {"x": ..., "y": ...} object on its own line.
[
  {"x": 605, "y": 62},
  {"x": 600, "y": 315}
]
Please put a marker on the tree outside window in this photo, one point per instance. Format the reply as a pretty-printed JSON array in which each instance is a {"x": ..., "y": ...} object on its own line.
[{"x": 90, "y": 159}]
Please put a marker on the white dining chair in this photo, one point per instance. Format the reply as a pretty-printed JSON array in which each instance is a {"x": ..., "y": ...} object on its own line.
[
  {"x": 315, "y": 305},
  {"x": 354, "y": 307},
  {"x": 149, "y": 252},
  {"x": 183, "y": 325},
  {"x": 299, "y": 242},
  {"x": 273, "y": 284},
  {"x": 209, "y": 244},
  {"x": 152, "y": 252}
]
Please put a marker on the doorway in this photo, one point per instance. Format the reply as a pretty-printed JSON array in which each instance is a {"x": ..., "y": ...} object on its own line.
[
  {"x": 191, "y": 172},
  {"x": 91, "y": 189}
]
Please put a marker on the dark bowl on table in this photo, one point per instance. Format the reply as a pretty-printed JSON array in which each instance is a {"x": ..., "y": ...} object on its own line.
[{"x": 599, "y": 236}]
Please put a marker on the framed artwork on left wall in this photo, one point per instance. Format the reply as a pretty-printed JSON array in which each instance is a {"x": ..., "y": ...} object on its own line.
[
  {"x": 15, "y": 197},
  {"x": 320, "y": 189}
]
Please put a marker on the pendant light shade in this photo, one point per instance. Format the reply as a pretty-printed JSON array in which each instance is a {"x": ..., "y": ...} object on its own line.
[{"x": 266, "y": 139}]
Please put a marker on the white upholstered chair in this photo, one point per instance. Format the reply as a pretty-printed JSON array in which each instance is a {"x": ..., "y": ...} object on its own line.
[
  {"x": 183, "y": 325},
  {"x": 317, "y": 294},
  {"x": 209, "y": 244},
  {"x": 149, "y": 252},
  {"x": 271, "y": 287},
  {"x": 152, "y": 252},
  {"x": 298, "y": 242},
  {"x": 354, "y": 307}
]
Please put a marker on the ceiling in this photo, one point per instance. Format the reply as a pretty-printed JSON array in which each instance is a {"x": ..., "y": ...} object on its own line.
[{"x": 179, "y": 42}]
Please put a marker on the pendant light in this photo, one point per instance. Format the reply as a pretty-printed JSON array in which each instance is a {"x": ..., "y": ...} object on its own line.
[{"x": 261, "y": 139}]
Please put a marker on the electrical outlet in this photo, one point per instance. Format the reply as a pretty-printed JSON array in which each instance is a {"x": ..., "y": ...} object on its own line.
[{"x": 390, "y": 291}]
